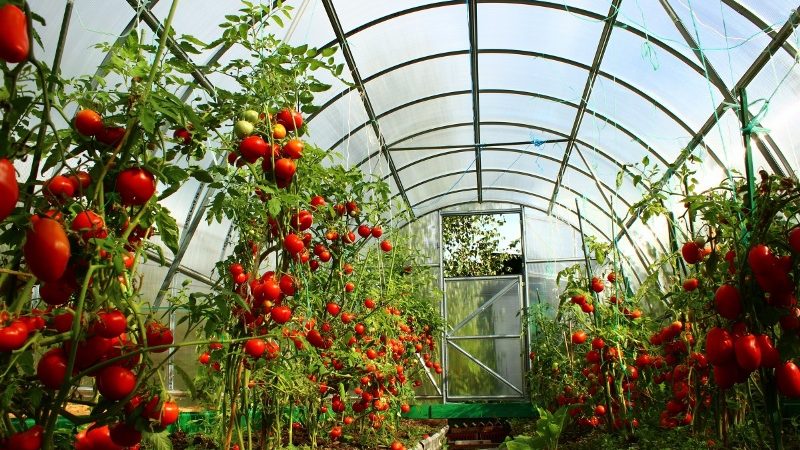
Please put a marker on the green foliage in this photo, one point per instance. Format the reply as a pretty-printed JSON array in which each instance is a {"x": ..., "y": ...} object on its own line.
[
  {"x": 472, "y": 245},
  {"x": 548, "y": 429}
]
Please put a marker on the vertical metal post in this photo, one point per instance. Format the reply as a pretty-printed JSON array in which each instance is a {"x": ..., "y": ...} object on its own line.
[
  {"x": 744, "y": 117},
  {"x": 524, "y": 327},
  {"x": 673, "y": 242},
  {"x": 443, "y": 311}
]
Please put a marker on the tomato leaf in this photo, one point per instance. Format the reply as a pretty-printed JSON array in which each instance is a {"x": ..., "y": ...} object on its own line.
[
  {"x": 157, "y": 441},
  {"x": 168, "y": 228},
  {"x": 187, "y": 380}
]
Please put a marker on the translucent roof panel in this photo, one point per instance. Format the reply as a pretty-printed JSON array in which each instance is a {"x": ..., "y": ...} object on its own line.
[
  {"x": 532, "y": 74},
  {"x": 448, "y": 163},
  {"x": 444, "y": 110},
  {"x": 444, "y": 134},
  {"x": 420, "y": 80},
  {"x": 539, "y": 29},
  {"x": 354, "y": 13},
  {"x": 436, "y": 187},
  {"x": 356, "y": 147},
  {"x": 92, "y": 22},
  {"x": 612, "y": 140},
  {"x": 650, "y": 15},
  {"x": 775, "y": 12},
  {"x": 431, "y": 31},
  {"x": 336, "y": 121},
  {"x": 528, "y": 163},
  {"x": 527, "y": 110}
]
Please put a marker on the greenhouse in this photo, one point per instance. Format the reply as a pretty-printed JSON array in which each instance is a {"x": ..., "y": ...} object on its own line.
[{"x": 406, "y": 224}]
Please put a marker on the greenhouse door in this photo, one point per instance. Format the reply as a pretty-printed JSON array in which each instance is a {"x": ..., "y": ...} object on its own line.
[{"x": 484, "y": 346}]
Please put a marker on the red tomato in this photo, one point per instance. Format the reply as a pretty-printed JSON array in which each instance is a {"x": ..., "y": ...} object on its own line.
[
  {"x": 728, "y": 302},
  {"x": 690, "y": 284},
  {"x": 748, "y": 353},
  {"x": 369, "y": 303},
  {"x": 47, "y": 249},
  {"x": 183, "y": 136},
  {"x": 58, "y": 189},
  {"x": 236, "y": 269},
  {"x": 167, "y": 414},
  {"x": 204, "y": 358},
  {"x": 692, "y": 252},
  {"x": 14, "y": 43},
  {"x": 377, "y": 231},
  {"x": 13, "y": 336},
  {"x": 386, "y": 246},
  {"x": 80, "y": 182},
  {"x": 335, "y": 433},
  {"x": 111, "y": 324},
  {"x": 761, "y": 259},
  {"x": 136, "y": 186},
  {"x": 281, "y": 314},
  {"x": 396, "y": 445},
  {"x": 317, "y": 201},
  {"x": 788, "y": 377},
  {"x": 30, "y": 439},
  {"x": 253, "y": 147},
  {"x": 88, "y": 122},
  {"x": 285, "y": 169},
  {"x": 364, "y": 231},
  {"x": 293, "y": 149},
  {"x": 124, "y": 435},
  {"x": 770, "y": 357},
  {"x": 288, "y": 285},
  {"x": 726, "y": 375},
  {"x": 89, "y": 225},
  {"x": 598, "y": 343},
  {"x": 333, "y": 309},
  {"x": 99, "y": 438},
  {"x": 349, "y": 287},
  {"x": 116, "y": 382},
  {"x": 293, "y": 244},
  {"x": 719, "y": 346},
  {"x": 579, "y": 337},
  {"x": 360, "y": 329},
  {"x": 794, "y": 239},
  {"x": 56, "y": 293},
  {"x": 255, "y": 347},
  {"x": 111, "y": 136},
  {"x": 9, "y": 189},
  {"x": 290, "y": 119},
  {"x": 158, "y": 334}
]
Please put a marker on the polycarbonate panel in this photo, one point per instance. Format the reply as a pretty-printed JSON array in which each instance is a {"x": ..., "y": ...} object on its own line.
[
  {"x": 355, "y": 148},
  {"x": 336, "y": 121},
  {"x": 524, "y": 73},
  {"x": 615, "y": 143},
  {"x": 606, "y": 172},
  {"x": 424, "y": 170},
  {"x": 435, "y": 30},
  {"x": 205, "y": 26},
  {"x": 543, "y": 292},
  {"x": 526, "y": 163},
  {"x": 775, "y": 12},
  {"x": 353, "y": 13},
  {"x": 527, "y": 110},
  {"x": 539, "y": 29},
  {"x": 92, "y": 22},
  {"x": 641, "y": 117},
  {"x": 424, "y": 233},
  {"x": 467, "y": 379},
  {"x": 310, "y": 25},
  {"x": 419, "y": 80},
  {"x": 432, "y": 204},
  {"x": 546, "y": 237},
  {"x": 445, "y": 110},
  {"x": 206, "y": 246},
  {"x": 503, "y": 134},
  {"x": 650, "y": 17},
  {"x": 576, "y": 184},
  {"x": 780, "y": 83},
  {"x": 466, "y": 297},
  {"x": 664, "y": 77},
  {"x": 725, "y": 139},
  {"x": 487, "y": 205},
  {"x": 731, "y": 43},
  {"x": 450, "y": 183},
  {"x": 506, "y": 180},
  {"x": 459, "y": 136}
]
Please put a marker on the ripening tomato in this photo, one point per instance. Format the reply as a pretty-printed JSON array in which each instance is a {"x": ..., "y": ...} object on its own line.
[
  {"x": 166, "y": 414},
  {"x": 690, "y": 284},
  {"x": 111, "y": 136},
  {"x": 9, "y": 189},
  {"x": 719, "y": 346},
  {"x": 748, "y": 353},
  {"x": 386, "y": 246},
  {"x": 293, "y": 149},
  {"x": 124, "y": 435},
  {"x": 90, "y": 225},
  {"x": 183, "y": 136},
  {"x": 157, "y": 335},
  {"x": 333, "y": 309},
  {"x": 14, "y": 42},
  {"x": 135, "y": 186},
  {"x": 290, "y": 119},
  {"x": 692, "y": 252},
  {"x": 88, "y": 122},
  {"x": 293, "y": 244},
  {"x": 58, "y": 189},
  {"x": 278, "y": 131},
  {"x": 728, "y": 302},
  {"x": 111, "y": 324},
  {"x": 255, "y": 347},
  {"x": 46, "y": 249},
  {"x": 116, "y": 382},
  {"x": 281, "y": 314},
  {"x": 253, "y": 147},
  {"x": 788, "y": 378},
  {"x": 579, "y": 337},
  {"x": 285, "y": 169},
  {"x": 30, "y": 439}
]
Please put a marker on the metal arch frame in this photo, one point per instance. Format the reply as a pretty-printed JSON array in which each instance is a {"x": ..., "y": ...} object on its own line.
[
  {"x": 359, "y": 82},
  {"x": 755, "y": 68},
  {"x": 472, "y": 5},
  {"x": 649, "y": 149},
  {"x": 518, "y": 191},
  {"x": 600, "y": 53},
  {"x": 759, "y": 23},
  {"x": 612, "y": 215},
  {"x": 646, "y": 97}
]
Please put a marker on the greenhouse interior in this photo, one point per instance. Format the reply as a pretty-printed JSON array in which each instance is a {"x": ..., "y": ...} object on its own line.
[{"x": 405, "y": 224}]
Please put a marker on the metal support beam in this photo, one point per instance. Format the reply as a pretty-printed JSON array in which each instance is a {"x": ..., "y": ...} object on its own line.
[
  {"x": 469, "y": 146},
  {"x": 776, "y": 44},
  {"x": 472, "y": 5},
  {"x": 605, "y": 36},
  {"x": 714, "y": 77},
  {"x": 359, "y": 82},
  {"x": 761, "y": 24}
]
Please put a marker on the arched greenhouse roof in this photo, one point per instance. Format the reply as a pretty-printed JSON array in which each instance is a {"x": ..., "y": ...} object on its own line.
[{"x": 540, "y": 104}]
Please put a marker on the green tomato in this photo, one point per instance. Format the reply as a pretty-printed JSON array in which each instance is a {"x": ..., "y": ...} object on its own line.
[
  {"x": 251, "y": 116},
  {"x": 243, "y": 128}
]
